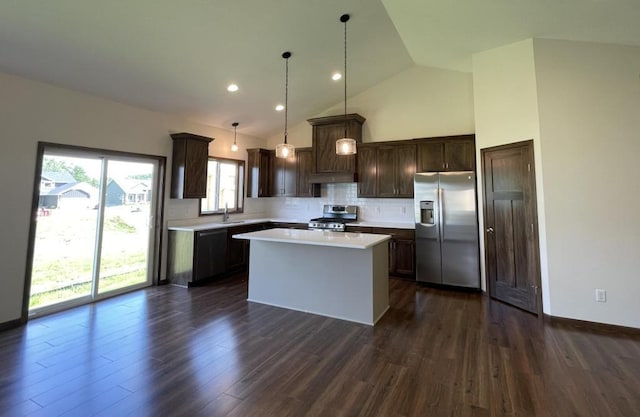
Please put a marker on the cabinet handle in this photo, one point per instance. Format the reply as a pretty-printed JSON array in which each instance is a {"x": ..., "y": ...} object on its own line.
[{"x": 446, "y": 165}]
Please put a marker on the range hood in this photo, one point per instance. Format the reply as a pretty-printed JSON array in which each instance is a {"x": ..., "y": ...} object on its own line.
[{"x": 328, "y": 167}]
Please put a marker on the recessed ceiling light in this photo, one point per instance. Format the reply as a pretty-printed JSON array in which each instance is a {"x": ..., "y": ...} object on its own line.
[
  {"x": 336, "y": 76},
  {"x": 232, "y": 88},
  {"x": 279, "y": 107}
]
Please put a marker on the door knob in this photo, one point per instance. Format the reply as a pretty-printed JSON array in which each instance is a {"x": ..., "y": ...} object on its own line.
[{"x": 489, "y": 229}]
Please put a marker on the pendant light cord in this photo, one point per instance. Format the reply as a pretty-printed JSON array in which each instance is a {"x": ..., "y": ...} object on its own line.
[
  {"x": 345, "y": 73},
  {"x": 286, "y": 97}
]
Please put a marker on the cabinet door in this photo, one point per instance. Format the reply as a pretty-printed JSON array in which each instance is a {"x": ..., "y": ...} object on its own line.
[
  {"x": 430, "y": 156},
  {"x": 237, "y": 252},
  {"x": 189, "y": 165},
  {"x": 258, "y": 173},
  {"x": 367, "y": 171},
  {"x": 405, "y": 257},
  {"x": 401, "y": 251},
  {"x": 405, "y": 170},
  {"x": 283, "y": 176},
  {"x": 195, "y": 172},
  {"x": 396, "y": 168},
  {"x": 210, "y": 253},
  {"x": 276, "y": 175},
  {"x": 459, "y": 155},
  {"x": 386, "y": 183},
  {"x": 238, "y": 249},
  {"x": 304, "y": 168}
]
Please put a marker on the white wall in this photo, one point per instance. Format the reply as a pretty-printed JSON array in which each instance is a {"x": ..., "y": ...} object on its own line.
[
  {"x": 506, "y": 111},
  {"x": 589, "y": 106},
  {"x": 579, "y": 103},
  {"x": 416, "y": 103},
  {"x": 32, "y": 112}
]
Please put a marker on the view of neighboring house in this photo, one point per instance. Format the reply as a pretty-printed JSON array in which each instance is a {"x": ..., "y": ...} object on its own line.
[
  {"x": 121, "y": 192},
  {"x": 52, "y": 179},
  {"x": 61, "y": 190},
  {"x": 73, "y": 195}
]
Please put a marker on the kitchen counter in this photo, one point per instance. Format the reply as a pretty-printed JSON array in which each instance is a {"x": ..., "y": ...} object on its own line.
[
  {"x": 336, "y": 274},
  {"x": 220, "y": 225},
  {"x": 216, "y": 225},
  {"x": 317, "y": 237}
]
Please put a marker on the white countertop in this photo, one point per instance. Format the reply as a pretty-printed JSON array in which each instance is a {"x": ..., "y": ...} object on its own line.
[
  {"x": 216, "y": 225},
  {"x": 232, "y": 223},
  {"x": 317, "y": 237}
]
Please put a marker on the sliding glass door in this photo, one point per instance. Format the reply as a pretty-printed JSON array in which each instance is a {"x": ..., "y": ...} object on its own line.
[{"x": 95, "y": 226}]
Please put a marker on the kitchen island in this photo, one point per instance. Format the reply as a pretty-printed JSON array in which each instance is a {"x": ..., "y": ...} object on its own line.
[{"x": 335, "y": 274}]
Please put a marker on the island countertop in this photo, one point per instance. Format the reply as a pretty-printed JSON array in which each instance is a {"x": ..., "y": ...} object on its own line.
[{"x": 317, "y": 237}]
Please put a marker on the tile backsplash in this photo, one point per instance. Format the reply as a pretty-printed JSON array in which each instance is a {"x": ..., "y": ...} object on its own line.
[
  {"x": 369, "y": 209},
  {"x": 301, "y": 209}
]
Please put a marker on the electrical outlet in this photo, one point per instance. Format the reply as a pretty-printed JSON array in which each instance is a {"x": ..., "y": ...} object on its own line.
[{"x": 601, "y": 295}]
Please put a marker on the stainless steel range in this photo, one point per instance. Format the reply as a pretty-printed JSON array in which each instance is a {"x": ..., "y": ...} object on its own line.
[{"x": 334, "y": 218}]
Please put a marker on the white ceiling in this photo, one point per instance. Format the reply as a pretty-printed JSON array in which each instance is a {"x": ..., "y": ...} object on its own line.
[{"x": 179, "y": 56}]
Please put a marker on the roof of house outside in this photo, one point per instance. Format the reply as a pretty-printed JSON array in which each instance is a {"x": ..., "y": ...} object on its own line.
[
  {"x": 81, "y": 186},
  {"x": 130, "y": 186},
  {"x": 58, "y": 177}
]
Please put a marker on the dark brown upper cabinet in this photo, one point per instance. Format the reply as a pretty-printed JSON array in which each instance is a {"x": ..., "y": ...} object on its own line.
[
  {"x": 283, "y": 176},
  {"x": 386, "y": 169},
  {"x": 453, "y": 153},
  {"x": 304, "y": 160},
  {"x": 367, "y": 170},
  {"x": 328, "y": 166},
  {"x": 258, "y": 173},
  {"x": 396, "y": 168},
  {"x": 189, "y": 165},
  {"x": 268, "y": 176}
]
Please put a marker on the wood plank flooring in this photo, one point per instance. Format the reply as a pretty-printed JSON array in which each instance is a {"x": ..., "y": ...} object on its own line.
[{"x": 168, "y": 351}]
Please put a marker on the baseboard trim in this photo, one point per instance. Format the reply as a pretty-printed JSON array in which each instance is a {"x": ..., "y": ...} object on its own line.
[
  {"x": 11, "y": 324},
  {"x": 593, "y": 326}
]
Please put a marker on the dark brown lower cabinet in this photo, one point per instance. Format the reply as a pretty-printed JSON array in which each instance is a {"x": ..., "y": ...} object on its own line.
[
  {"x": 402, "y": 251},
  {"x": 283, "y": 225},
  {"x": 195, "y": 256},
  {"x": 238, "y": 249}
]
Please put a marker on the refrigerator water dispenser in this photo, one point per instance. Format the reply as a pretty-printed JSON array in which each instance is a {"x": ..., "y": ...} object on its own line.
[{"x": 426, "y": 212}]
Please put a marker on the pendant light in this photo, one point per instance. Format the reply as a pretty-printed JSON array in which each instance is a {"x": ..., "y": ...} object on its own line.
[
  {"x": 346, "y": 145},
  {"x": 285, "y": 150},
  {"x": 234, "y": 147}
]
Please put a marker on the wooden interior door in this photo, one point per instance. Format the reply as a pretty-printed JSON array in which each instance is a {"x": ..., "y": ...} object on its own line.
[{"x": 511, "y": 225}]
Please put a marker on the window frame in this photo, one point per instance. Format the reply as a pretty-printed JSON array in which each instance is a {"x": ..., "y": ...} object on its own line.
[{"x": 239, "y": 197}]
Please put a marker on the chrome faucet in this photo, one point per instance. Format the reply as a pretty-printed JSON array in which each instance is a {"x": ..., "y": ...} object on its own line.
[{"x": 225, "y": 214}]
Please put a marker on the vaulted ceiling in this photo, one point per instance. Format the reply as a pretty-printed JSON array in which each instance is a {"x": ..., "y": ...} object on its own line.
[{"x": 179, "y": 56}]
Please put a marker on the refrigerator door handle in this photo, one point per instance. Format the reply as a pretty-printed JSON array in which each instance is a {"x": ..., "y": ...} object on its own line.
[{"x": 441, "y": 213}]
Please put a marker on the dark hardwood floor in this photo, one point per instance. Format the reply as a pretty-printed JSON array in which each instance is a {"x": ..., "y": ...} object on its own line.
[{"x": 168, "y": 351}]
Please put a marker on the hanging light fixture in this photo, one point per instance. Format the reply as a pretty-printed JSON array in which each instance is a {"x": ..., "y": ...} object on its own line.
[
  {"x": 234, "y": 147},
  {"x": 346, "y": 145},
  {"x": 285, "y": 150}
]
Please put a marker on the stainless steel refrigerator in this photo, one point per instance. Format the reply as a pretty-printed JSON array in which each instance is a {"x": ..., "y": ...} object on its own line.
[{"x": 446, "y": 229}]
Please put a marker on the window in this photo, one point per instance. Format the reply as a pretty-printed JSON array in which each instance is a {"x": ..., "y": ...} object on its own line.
[{"x": 225, "y": 186}]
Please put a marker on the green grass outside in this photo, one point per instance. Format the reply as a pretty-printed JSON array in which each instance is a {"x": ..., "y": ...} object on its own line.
[
  {"x": 65, "y": 241},
  {"x": 82, "y": 289}
]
